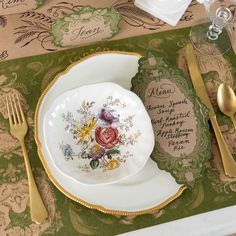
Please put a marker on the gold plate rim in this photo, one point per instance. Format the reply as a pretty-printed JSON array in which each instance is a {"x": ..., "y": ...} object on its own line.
[{"x": 53, "y": 179}]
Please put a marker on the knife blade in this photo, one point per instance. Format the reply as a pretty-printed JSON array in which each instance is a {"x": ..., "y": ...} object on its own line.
[{"x": 228, "y": 161}]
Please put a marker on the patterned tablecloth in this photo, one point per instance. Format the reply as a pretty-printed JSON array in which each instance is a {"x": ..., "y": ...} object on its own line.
[{"x": 29, "y": 76}]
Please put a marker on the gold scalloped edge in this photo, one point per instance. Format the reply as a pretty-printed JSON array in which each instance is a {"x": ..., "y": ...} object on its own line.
[{"x": 52, "y": 178}]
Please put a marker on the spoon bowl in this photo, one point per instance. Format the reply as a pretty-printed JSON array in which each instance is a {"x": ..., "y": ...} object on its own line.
[{"x": 227, "y": 101}]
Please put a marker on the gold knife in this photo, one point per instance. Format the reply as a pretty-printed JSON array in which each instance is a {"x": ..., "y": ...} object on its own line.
[{"x": 228, "y": 161}]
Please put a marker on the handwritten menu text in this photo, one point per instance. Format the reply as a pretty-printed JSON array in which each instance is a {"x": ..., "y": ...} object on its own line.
[{"x": 172, "y": 117}]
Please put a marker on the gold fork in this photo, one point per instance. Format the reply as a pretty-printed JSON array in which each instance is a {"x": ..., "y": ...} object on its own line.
[{"x": 18, "y": 129}]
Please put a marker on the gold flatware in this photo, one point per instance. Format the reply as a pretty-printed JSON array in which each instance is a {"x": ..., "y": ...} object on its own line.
[
  {"x": 227, "y": 159},
  {"x": 227, "y": 101},
  {"x": 18, "y": 129}
]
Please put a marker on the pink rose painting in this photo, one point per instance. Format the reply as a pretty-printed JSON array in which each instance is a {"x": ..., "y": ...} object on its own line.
[
  {"x": 100, "y": 135},
  {"x": 107, "y": 136}
]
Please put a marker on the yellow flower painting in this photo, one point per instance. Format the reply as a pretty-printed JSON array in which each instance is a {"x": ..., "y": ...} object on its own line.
[{"x": 85, "y": 132}]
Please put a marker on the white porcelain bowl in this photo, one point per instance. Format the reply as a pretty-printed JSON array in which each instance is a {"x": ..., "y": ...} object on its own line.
[{"x": 98, "y": 134}]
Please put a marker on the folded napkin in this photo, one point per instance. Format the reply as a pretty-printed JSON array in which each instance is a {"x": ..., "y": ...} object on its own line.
[{"x": 169, "y": 11}]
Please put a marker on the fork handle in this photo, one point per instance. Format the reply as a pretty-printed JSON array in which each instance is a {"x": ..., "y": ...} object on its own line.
[{"x": 38, "y": 210}]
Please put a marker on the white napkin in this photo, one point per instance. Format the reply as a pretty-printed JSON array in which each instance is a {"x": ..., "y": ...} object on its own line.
[{"x": 169, "y": 11}]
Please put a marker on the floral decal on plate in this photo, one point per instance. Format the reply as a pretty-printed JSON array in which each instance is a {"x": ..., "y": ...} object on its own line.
[{"x": 100, "y": 135}]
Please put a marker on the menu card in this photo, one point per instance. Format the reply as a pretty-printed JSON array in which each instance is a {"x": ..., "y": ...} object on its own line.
[{"x": 180, "y": 120}]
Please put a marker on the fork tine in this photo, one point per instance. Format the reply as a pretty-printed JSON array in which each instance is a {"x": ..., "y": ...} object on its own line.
[
  {"x": 12, "y": 111},
  {"x": 16, "y": 109},
  {"x": 8, "y": 111},
  {"x": 21, "y": 111}
]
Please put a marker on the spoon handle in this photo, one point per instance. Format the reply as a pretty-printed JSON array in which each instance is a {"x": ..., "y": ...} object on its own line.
[
  {"x": 234, "y": 121},
  {"x": 228, "y": 161}
]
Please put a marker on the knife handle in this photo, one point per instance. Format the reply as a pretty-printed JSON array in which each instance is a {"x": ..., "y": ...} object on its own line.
[{"x": 228, "y": 161}]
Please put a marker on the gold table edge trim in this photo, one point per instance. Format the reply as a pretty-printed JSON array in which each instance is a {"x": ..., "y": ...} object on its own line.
[{"x": 52, "y": 178}]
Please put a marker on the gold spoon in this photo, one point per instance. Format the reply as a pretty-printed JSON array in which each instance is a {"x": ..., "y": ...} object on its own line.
[{"x": 227, "y": 101}]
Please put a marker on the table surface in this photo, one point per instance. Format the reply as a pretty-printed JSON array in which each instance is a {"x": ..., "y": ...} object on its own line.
[
  {"x": 134, "y": 23},
  {"x": 216, "y": 222}
]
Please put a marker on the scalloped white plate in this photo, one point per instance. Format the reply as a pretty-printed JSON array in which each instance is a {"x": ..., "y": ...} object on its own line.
[{"x": 150, "y": 189}]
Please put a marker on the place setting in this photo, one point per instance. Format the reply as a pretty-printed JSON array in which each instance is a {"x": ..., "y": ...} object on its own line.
[
  {"x": 118, "y": 170},
  {"x": 131, "y": 132},
  {"x": 119, "y": 143}
]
